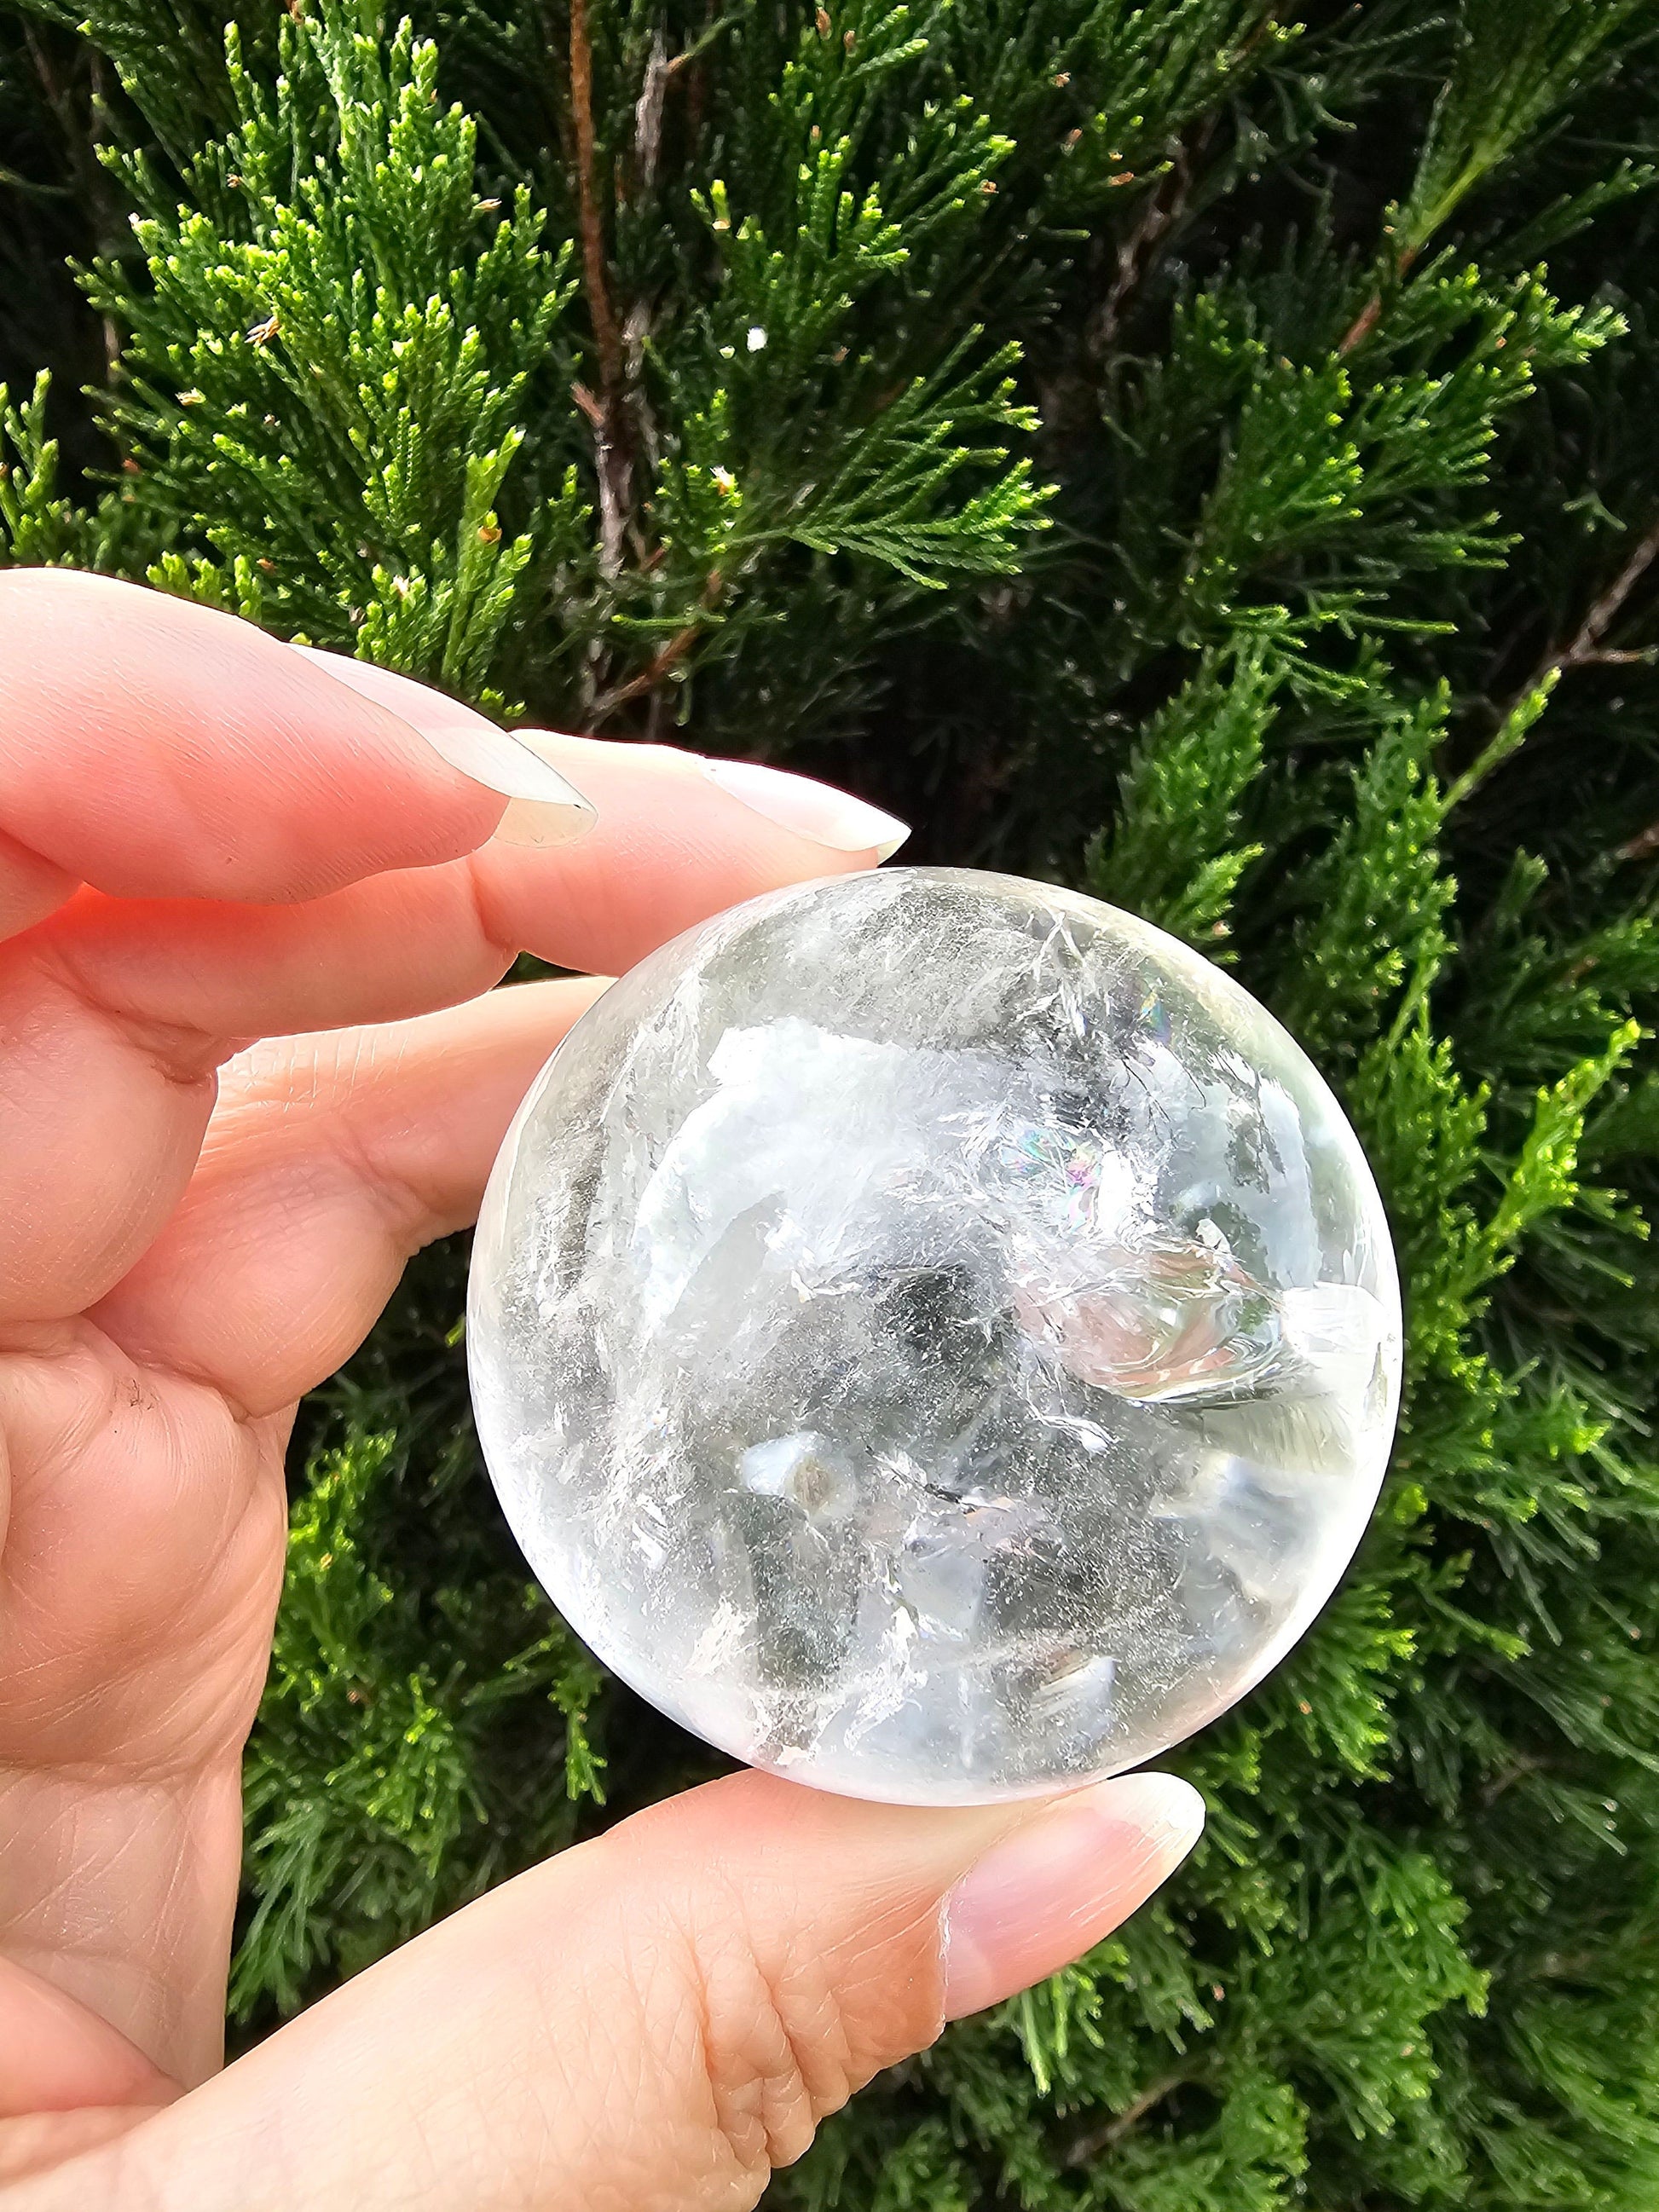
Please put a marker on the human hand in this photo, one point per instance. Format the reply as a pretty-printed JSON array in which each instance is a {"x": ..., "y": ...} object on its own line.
[{"x": 233, "y": 887}]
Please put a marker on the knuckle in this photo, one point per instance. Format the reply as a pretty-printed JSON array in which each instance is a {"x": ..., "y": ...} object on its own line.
[{"x": 770, "y": 2037}]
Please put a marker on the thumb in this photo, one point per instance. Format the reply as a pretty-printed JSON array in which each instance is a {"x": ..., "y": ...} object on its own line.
[{"x": 658, "y": 2018}]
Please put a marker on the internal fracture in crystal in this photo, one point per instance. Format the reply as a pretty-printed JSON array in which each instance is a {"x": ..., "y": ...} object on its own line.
[{"x": 934, "y": 1335}]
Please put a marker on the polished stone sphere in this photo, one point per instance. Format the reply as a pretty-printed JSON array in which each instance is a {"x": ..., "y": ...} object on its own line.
[{"x": 934, "y": 1335}]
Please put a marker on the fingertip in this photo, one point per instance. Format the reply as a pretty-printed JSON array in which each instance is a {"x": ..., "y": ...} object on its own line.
[
  {"x": 154, "y": 747},
  {"x": 58, "y": 2056},
  {"x": 671, "y": 843},
  {"x": 1053, "y": 1887},
  {"x": 1171, "y": 1809},
  {"x": 822, "y": 813}
]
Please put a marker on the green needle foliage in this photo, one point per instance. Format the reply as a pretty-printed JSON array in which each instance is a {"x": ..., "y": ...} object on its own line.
[{"x": 1205, "y": 450}]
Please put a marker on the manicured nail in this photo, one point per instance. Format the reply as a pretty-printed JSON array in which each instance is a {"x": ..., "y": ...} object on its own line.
[
  {"x": 530, "y": 822},
  {"x": 1043, "y": 1895},
  {"x": 812, "y": 809},
  {"x": 495, "y": 759}
]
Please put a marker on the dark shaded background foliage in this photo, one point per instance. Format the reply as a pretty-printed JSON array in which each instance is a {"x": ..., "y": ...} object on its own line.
[{"x": 1208, "y": 451}]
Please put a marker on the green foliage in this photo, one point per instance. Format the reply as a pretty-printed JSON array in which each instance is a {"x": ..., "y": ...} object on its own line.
[
  {"x": 1516, "y": 66},
  {"x": 1202, "y": 449},
  {"x": 1173, "y": 853},
  {"x": 42, "y": 527},
  {"x": 372, "y": 344}
]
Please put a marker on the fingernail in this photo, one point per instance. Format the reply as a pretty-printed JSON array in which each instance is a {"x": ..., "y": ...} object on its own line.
[
  {"x": 812, "y": 809},
  {"x": 1043, "y": 1895},
  {"x": 495, "y": 759},
  {"x": 531, "y": 822}
]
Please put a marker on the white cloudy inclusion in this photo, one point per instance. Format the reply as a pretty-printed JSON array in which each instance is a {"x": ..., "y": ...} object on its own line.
[{"x": 934, "y": 1335}]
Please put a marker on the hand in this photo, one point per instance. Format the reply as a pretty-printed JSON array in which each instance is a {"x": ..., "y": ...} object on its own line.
[{"x": 233, "y": 887}]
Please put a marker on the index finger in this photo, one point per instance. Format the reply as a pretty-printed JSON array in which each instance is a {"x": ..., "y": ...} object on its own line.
[
  {"x": 245, "y": 813},
  {"x": 155, "y": 748}
]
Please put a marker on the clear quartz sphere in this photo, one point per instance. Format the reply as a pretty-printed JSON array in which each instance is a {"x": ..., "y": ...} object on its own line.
[{"x": 934, "y": 1335}]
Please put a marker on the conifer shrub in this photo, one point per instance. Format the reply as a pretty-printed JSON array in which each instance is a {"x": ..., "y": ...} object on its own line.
[{"x": 1205, "y": 451}]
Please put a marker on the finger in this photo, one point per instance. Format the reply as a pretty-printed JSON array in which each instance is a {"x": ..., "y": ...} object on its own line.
[
  {"x": 153, "y": 747},
  {"x": 117, "y": 1011},
  {"x": 57, "y": 2056},
  {"x": 677, "y": 838},
  {"x": 30, "y": 888},
  {"x": 147, "y": 745},
  {"x": 39, "y": 2143},
  {"x": 659, "y": 2019},
  {"x": 328, "y": 1161},
  {"x": 669, "y": 845}
]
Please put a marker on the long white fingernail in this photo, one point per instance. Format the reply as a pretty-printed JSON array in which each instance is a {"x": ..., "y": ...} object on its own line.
[
  {"x": 530, "y": 822},
  {"x": 464, "y": 739},
  {"x": 813, "y": 810}
]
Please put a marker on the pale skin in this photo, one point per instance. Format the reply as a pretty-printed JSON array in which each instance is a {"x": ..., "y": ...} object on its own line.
[{"x": 250, "y": 1061}]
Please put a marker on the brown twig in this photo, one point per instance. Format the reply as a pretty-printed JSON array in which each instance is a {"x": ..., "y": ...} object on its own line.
[
  {"x": 1584, "y": 648},
  {"x": 613, "y": 444},
  {"x": 1524, "y": 1765},
  {"x": 655, "y": 669},
  {"x": 607, "y": 337},
  {"x": 1161, "y": 210},
  {"x": 1362, "y": 326},
  {"x": 56, "y": 98},
  {"x": 648, "y": 110},
  {"x": 99, "y": 113},
  {"x": 666, "y": 658},
  {"x": 1369, "y": 316},
  {"x": 1088, "y": 2147}
]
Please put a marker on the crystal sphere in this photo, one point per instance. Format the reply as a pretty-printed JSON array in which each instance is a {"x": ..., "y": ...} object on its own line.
[{"x": 934, "y": 1335}]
